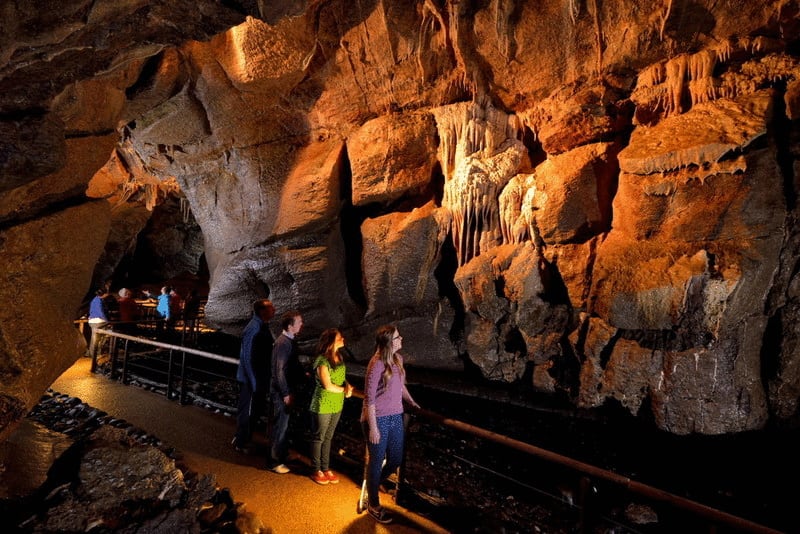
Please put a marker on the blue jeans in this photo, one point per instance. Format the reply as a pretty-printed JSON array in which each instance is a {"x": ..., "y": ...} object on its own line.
[
  {"x": 390, "y": 447},
  {"x": 323, "y": 425},
  {"x": 280, "y": 425}
]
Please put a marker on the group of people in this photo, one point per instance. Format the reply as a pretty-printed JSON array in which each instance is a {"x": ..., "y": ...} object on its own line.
[
  {"x": 125, "y": 312},
  {"x": 103, "y": 308},
  {"x": 171, "y": 306},
  {"x": 270, "y": 368}
]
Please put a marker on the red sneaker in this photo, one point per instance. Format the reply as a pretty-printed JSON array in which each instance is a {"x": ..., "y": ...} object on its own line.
[
  {"x": 319, "y": 477},
  {"x": 331, "y": 476}
]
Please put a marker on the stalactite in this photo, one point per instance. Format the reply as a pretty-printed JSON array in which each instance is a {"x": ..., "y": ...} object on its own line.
[
  {"x": 480, "y": 149},
  {"x": 649, "y": 76},
  {"x": 515, "y": 209},
  {"x": 307, "y": 60},
  {"x": 185, "y": 209},
  {"x": 503, "y": 10},
  {"x": 528, "y": 214},
  {"x": 150, "y": 196},
  {"x": 598, "y": 37},
  {"x": 574, "y": 7},
  {"x": 664, "y": 20},
  {"x": 430, "y": 18},
  {"x": 724, "y": 50},
  {"x": 663, "y": 85},
  {"x": 128, "y": 189},
  {"x": 744, "y": 43},
  {"x": 701, "y": 69},
  {"x": 676, "y": 74}
]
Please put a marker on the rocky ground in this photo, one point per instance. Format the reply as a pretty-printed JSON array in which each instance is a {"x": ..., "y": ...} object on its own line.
[{"x": 117, "y": 478}]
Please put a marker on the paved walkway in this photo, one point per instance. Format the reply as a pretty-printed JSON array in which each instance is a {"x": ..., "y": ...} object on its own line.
[{"x": 289, "y": 503}]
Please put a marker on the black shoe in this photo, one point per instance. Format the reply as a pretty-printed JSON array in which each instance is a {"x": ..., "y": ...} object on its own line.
[
  {"x": 239, "y": 448},
  {"x": 380, "y": 514}
]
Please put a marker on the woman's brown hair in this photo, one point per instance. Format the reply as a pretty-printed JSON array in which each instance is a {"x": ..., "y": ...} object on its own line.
[
  {"x": 383, "y": 348},
  {"x": 325, "y": 346}
]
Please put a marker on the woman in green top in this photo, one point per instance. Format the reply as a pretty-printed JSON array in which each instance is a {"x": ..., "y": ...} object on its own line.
[{"x": 327, "y": 402}]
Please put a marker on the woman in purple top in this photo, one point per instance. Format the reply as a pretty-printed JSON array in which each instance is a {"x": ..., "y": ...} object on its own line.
[{"x": 382, "y": 413}]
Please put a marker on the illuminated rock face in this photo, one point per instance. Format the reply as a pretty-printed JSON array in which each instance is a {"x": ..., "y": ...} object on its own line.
[{"x": 599, "y": 199}]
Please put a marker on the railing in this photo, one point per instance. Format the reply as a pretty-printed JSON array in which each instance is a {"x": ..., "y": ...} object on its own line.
[
  {"x": 591, "y": 471},
  {"x": 178, "y": 371}
]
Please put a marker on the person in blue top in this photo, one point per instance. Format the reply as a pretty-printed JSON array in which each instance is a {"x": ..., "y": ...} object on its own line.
[
  {"x": 284, "y": 360},
  {"x": 98, "y": 318},
  {"x": 327, "y": 402},
  {"x": 167, "y": 310},
  {"x": 163, "y": 307},
  {"x": 255, "y": 358}
]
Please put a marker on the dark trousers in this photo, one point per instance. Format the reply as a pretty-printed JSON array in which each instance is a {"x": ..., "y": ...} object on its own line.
[
  {"x": 248, "y": 411},
  {"x": 280, "y": 427}
]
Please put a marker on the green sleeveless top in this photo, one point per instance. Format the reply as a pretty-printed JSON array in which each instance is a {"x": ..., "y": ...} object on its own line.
[{"x": 327, "y": 401}]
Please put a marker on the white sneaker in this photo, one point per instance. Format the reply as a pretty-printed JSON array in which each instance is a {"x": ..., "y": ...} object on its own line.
[{"x": 281, "y": 469}]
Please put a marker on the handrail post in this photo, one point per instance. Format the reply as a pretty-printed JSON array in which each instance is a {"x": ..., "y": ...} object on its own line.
[
  {"x": 401, "y": 469},
  {"x": 125, "y": 352},
  {"x": 170, "y": 367},
  {"x": 113, "y": 360},
  {"x": 94, "y": 360},
  {"x": 124, "y": 364},
  {"x": 584, "y": 493},
  {"x": 182, "y": 399}
]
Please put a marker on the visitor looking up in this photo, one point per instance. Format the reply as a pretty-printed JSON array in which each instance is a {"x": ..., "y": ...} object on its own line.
[
  {"x": 284, "y": 362},
  {"x": 382, "y": 414},
  {"x": 327, "y": 402},
  {"x": 255, "y": 358}
]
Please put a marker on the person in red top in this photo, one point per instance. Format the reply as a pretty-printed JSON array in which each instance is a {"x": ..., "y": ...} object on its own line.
[
  {"x": 175, "y": 305},
  {"x": 128, "y": 309}
]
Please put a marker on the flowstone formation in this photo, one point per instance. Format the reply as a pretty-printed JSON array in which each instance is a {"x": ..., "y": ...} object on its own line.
[{"x": 596, "y": 199}]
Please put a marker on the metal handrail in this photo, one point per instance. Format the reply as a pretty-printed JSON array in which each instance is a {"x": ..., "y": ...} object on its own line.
[
  {"x": 699, "y": 509},
  {"x": 597, "y": 472},
  {"x": 172, "y": 348}
]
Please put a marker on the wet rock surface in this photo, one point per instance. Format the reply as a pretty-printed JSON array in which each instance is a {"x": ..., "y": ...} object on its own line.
[{"x": 115, "y": 477}]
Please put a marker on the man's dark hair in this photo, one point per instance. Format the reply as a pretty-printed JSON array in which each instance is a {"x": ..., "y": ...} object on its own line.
[
  {"x": 262, "y": 304},
  {"x": 288, "y": 318}
]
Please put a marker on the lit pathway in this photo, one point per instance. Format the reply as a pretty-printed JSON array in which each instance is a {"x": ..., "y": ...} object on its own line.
[{"x": 286, "y": 503}]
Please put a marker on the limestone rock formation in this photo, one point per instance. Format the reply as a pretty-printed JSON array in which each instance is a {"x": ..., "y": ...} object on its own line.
[{"x": 600, "y": 198}]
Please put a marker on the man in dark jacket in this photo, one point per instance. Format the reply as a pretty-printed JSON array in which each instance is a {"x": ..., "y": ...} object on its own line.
[
  {"x": 253, "y": 372},
  {"x": 284, "y": 360}
]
